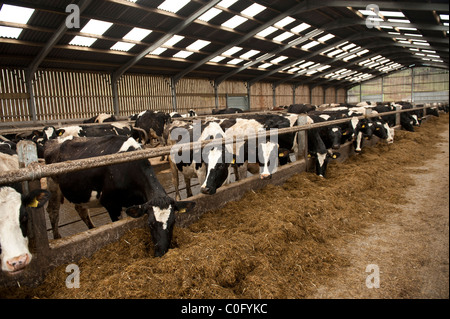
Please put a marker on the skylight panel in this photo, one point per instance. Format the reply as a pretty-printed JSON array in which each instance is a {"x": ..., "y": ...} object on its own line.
[
  {"x": 227, "y": 3},
  {"x": 182, "y": 54},
  {"x": 294, "y": 70},
  {"x": 234, "y": 22},
  {"x": 399, "y": 21},
  {"x": 249, "y": 54},
  {"x": 404, "y": 28},
  {"x": 284, "y": 22},
  {"x": 396, "y": 14},
  {"x": 310, "y": 45},
  {"x": 279, "y": 59},
  {"x": 218, "y": 59},
  {"x": 323, "y": 68},
  {"x": 15, "y": 14},
  {"x": 422, "y": 43},
  {"x": 122, "y": 46},
  {"x": 348, "y": 47},
  {"x": 331, "y": 54},
  {"x": 264, "y": 33},
  {"x": 210, "y": 14},
  {"x": 265, "y": 65},
  {"x": 8, "y": 32},
  {"x": 301, "y": 27},
  {"x": 305, "y": 65},
  {"x": 82, "y": 41},
  {"x": 137, "y": 34},
  {"x": 173, "y": 5},
  {"x": 350, "y": 57},
  {"x": 173, "y": 40},
  {"x": 198, "y": 45},
  {"x": 96, "y": 27},
  {"x": 284, "y": 36},
  {"x": 444, "y": 17},
  {"x": 235, "y": 61},
  {"x": 232, "y": 51},
  {"x": 326, "y": 37},
  {"x": 253, "y": 10},
  {"x": 362, "y": 52},
  {"x": 158, "y": 51}
]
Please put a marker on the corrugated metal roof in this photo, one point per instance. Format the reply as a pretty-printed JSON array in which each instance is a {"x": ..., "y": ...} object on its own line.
[{"x": 332, "y": 17}]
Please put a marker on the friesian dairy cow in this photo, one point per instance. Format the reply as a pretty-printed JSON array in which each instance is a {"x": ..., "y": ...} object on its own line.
[
  {"x": 101, "y": 118},
  {"x": 175, "y": 115},
  {"x": 153, "y": 124},
  {"x": 14, "y": 252},
  {"x": 131, "y": 185}
]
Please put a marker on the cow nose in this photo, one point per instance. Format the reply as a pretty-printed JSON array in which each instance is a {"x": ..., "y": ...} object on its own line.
[
  {"x": 205, "y": 190},
  {"x": 18, "y": 263},
  {"x": 266, "y": 176}
]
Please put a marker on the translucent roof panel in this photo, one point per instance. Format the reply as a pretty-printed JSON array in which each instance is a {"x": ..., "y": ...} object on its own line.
[
  {"x": 265, "y": 65},
  {"x": 122, "y": 46},
  {"x": 182, "y": 54},
  {"x": 264, "y": 33},
  {"x": 227, "y": 3},
  {"x": 249, "y": 54},
  {"x": 310, "y": 45},
  {"x": 173, "y": 40},
  {"x": 279, "y": 59},
  {"x": 301, "y": 27},
  {"x": 96, "y": 27},
  {"x": 218, "y": 59},
  {"x": 253, "y": 10},
  {"x": 235, "y": 61},
  {"x": 444, "y": 17},
  {"x": 15, "y": 14},
  {"x": 8, "y": 32},
  {"x": 173, "y": 5},
  {"x": 284, "y": 36},
  {"x": 234, "y": 22},
  {"x": 210, "y": 14},
  {"x": 137, "y": 34},
  {"x": 158, "y": 51},
  {"x": 198, "y": 45},
  {"x": 284, "y": 22},
  {"x": 82, "y": 41},
  {"x": 232, "y": 51},
  {"x": 326, "y": 37}
]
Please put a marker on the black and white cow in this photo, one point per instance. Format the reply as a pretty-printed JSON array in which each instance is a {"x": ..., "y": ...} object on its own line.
[
  {"x": 14, "y": 252},
  {"x": 175, "y": 115},
  {"x": 301, "y": 108},
  {"x": 153, "y": 123},
  {"x": 101, "y": 118},
  {"x": 131, "y": 185}
]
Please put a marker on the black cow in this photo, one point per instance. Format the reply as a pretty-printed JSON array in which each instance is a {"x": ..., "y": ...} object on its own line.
[
  {"x": 132, "y": 184},
  {"x": 14, "y": 252},
  {"x": 301, "y": 108}
]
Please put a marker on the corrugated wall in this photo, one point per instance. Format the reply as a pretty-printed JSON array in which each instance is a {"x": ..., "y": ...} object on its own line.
[
  {"x": 429, "y": 85},
  {"x": 60, "y": 94}
]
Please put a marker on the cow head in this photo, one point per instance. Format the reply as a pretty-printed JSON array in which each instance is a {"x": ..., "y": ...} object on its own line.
[
  {"x": 14, "y": 253},
  {"x": 268, "y": 159},
  {"x": 383, "y": 131},
  {"x": 335, "y": 134},
  {"x": 322, "y": 159},
  {"x": 161, "y": 219},
  {"x": 217, "y": 171}
]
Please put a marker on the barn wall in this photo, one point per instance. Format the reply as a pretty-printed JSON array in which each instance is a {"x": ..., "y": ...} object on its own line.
[
  {"x": 420, "y": 85},
  {"x": 302, "y": 94},
  {"x": 13, "y": 96},
  {"x": 261, "y": 96}
]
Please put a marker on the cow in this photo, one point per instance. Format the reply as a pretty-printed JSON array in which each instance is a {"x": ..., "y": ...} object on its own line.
[
  {"x": 230, "y": 110},
  {"x": 153, "y": 124},
  {"x": 301, "y": 108},
  {"x": 199, "y": 165},
  {"x": 130, "y": 185},
  {"x": 175, "y": 115},
  {"x": 14, "y": 252},
  {"x": 101, "y": 118},
  {"x": 407, "y": 121}
]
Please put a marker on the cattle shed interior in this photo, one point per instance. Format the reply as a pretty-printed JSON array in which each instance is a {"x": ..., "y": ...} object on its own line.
[{"x": 75, "y": 59}]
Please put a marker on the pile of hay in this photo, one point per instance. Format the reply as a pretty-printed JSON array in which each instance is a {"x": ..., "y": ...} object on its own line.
[{"x": 279, "y": 242}]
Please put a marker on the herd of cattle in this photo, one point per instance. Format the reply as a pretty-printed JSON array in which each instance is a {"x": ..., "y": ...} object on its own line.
[{"x": 133, "y": 186}]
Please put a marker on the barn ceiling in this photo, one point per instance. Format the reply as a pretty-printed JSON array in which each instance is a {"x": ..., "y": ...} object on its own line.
[{"x": 327, "y": 42}]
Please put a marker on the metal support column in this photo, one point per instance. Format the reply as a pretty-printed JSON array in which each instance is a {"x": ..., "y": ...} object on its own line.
[
  {"x": 173, "y": 87},
  {"x": 115, "y": 92}
]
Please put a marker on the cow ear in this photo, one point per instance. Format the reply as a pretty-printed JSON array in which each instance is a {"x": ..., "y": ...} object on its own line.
[
  {"x": 184, "y": 207},
  {"x": 135, "y": 211},
  {"x": 36, "y": 198},
  {"x": 335, "y": 155},
  {"x": 60, "y": 132}
]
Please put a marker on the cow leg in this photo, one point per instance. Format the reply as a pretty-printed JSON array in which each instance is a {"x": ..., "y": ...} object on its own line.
[
  {"x": 175, "y": 182},
  {"x": 84, "y": 214},
  {"x": 53, "y": 206},
  {"x": 187, "y": 182}
]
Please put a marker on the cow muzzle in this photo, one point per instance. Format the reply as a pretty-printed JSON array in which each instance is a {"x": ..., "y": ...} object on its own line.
[
  {"x": 266, "y": 176},
  {"x": 208, "y": 191},
  {"x": 17, "y": 264}
]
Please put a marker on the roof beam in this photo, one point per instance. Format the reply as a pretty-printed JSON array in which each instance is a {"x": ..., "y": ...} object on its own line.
[
  {"x": 344, "y": 23},
  {"x": 183, "y": 24},
  {"x": 83, "y": 4},
  {"x": 303, "y": 6}
]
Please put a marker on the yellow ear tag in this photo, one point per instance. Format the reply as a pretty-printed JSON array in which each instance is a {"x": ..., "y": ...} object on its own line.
[
  {"x": 60, "y": 133},
  {"x": 334, "y": 156},
  {"x": 34, "y": 203},
  {"x": 345, "y": 133},
  {"x": 233, "y": 161},
  {"x": 363, "y": 126},
  {"x": 309, "y": 155},
  {"x": 281, "y": 155},
  {"x": 182, "y": 211}
]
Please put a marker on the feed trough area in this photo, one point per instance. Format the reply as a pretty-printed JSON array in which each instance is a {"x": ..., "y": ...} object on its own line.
[{"x": 224, "y": 149}]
